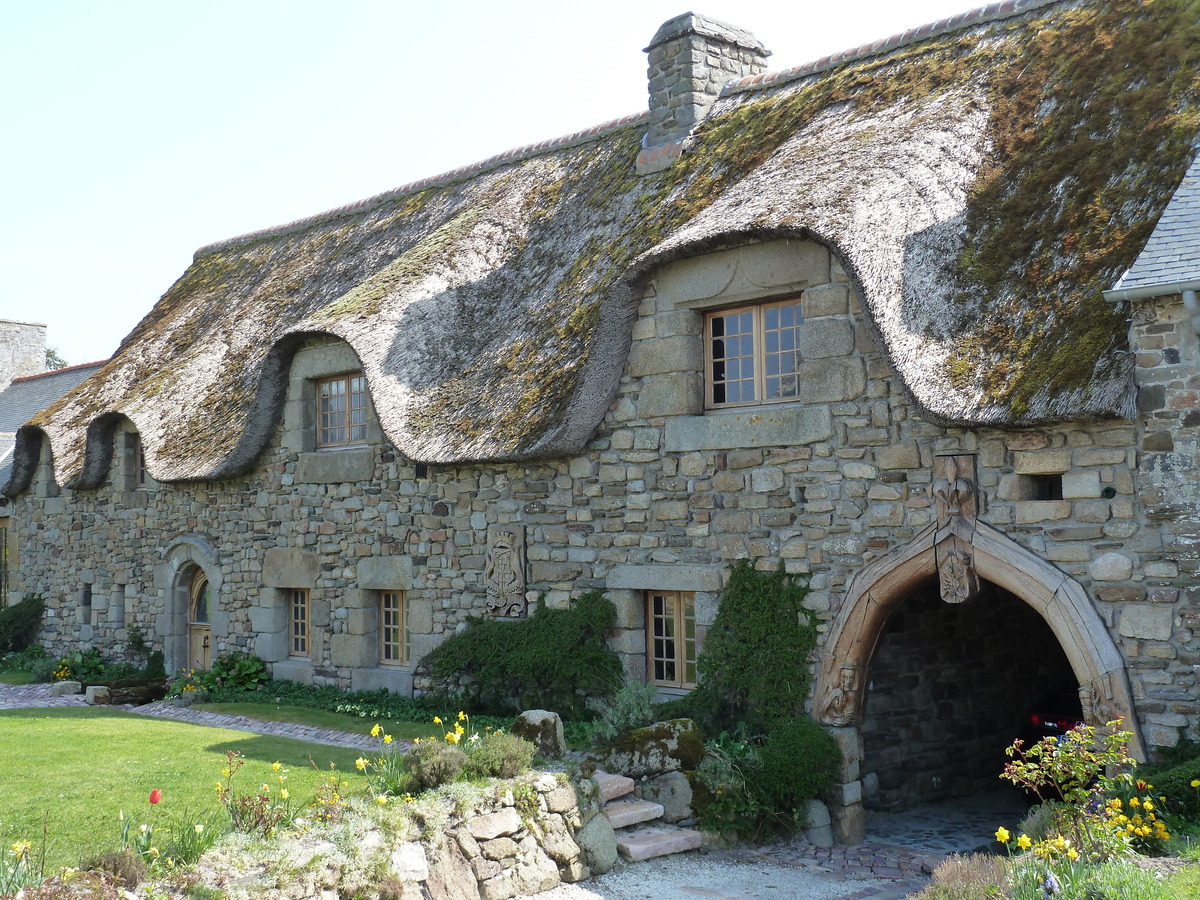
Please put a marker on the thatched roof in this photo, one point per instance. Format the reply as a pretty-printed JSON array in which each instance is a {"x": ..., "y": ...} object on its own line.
[{"x": 983, "y": 182}]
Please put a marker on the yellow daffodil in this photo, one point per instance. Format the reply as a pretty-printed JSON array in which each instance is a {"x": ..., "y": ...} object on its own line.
[
  {"x": 461, "y": 715},
  {"x": 452, "y": 737},
  {"x": 437, "y": 720},
  {"x": 276, "y": 766},
  {"x": 1024, "y": 842},
  {"x": 1072, "y": 853},
  {"x": 20, "y": 848},
  {"x": 376, "y": 730},
  {"x": 284, "y": 793},
  {"x": 361, "y": 764},
  {"x": 199, "y": 827},
  {"x": 416, "y": 740},
  {"x": 1002, "y": 835},
  {"x": 1196, "y": 782},
  {"x": 387, "y": 738},
  {"x": 381, "y": 800}
]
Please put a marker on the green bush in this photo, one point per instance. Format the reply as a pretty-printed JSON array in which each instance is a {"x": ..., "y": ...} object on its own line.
[
  {"x": 633, "y": 706},
  {"x": 754, "y": 668},
  {"x": 1176, "y": 785},
  {"x": 19, "y": 623},
  {"x": 556, "y": 659},
  {"x": 498, "y": 755},
  {"x": 798, "y": 762},
  {"x": 237, "y": 671},
  {"x": 431, "y": 764},
  {"x": 22, "y": 660}
]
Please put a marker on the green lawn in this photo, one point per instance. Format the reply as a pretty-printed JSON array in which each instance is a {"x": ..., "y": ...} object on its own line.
[
  {"x": 16, "y": 678},
  {"x": 319, "y": 718},
  {"x": 79, "y": 767}
]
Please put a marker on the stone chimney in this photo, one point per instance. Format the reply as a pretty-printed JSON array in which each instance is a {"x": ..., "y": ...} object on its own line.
[
  {"x": 22, "y": 350},
  {"x": 691, "y": 58}
]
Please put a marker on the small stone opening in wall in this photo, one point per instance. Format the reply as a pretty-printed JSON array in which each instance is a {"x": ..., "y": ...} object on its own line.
[
  {"x": 1045, "y": 487},
  {"x": 85, "y": 596},
  {"x": 422, "y": 472},
  {"x": 1108, "y": 493}
]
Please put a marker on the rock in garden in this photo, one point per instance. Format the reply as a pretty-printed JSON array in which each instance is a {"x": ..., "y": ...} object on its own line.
[
  {"x": 670, "y": 746},
  {"x": 543, "y": 729}
]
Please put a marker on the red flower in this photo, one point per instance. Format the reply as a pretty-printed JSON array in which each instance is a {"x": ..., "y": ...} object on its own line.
[{"x": 155, "y": 795}]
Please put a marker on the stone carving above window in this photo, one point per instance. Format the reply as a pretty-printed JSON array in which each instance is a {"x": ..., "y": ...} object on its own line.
[{"x": 505, "y": 571}]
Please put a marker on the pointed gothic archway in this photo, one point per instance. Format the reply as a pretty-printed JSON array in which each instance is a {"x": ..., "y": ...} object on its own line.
[{"x": 959, "y": 552}]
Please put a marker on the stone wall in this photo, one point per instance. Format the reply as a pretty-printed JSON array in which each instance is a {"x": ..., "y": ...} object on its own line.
[
  {"x": 521, "y": 837},
  {"x": 666, "y": 497},
  {"x": 22, "y": 350}
]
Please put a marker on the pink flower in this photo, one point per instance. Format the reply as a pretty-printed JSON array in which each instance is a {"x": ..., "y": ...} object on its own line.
[{"x": 155, "y": 795}]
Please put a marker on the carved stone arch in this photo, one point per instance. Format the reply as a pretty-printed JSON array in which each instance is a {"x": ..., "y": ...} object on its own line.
[
  {"x": 174, "y": 578},
  {"x": 1060, "y": 600}
]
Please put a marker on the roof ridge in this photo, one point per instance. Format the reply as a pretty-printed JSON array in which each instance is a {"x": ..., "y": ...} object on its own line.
[
  {"x": 49, "y": 372},
  {"x": 990, "y": 13},
  {"x": 492, "y": 162}
]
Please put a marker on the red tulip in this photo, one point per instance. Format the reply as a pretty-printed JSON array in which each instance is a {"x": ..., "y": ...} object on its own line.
[{"x": 155, "y": 795}]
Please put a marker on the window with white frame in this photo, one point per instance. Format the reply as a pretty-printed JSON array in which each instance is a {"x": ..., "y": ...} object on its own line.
[{"x": 753, "y": 354}]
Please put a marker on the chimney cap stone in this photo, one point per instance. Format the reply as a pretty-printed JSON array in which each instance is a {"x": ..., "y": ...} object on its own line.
[{"x": 694, "y": 23}]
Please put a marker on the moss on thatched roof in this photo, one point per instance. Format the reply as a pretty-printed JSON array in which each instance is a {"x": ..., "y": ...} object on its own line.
[{"x": 982, "y": 185}]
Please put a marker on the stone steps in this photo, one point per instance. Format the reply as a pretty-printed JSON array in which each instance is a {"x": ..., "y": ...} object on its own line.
[
  {"x": 663, "y": 840},
  {"x": 612, "y": 786},
  {"x": 642, "y": 843},
  {"x": 623, "y": 813}
]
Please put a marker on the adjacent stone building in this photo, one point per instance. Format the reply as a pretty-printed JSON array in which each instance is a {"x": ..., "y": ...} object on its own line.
[{"x": 849, "y": 318}]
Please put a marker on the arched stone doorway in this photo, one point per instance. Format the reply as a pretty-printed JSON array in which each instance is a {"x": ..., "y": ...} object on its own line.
[
  {"x": 961, "y": 555},
  {"x": 189, "y": 579}
]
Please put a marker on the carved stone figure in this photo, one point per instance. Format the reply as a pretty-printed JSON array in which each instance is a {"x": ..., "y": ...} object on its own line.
[
  {"x": 841, "y": 703},
  {"x": 505, "y": 572},
  {"x": 956, "y": 573}
]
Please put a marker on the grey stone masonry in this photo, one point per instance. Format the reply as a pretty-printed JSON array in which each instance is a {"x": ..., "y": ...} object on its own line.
[
  {"x": 691, "y": 58},
  {"x": 666, "y": 497},
  {"x": 22, "y": 350}
]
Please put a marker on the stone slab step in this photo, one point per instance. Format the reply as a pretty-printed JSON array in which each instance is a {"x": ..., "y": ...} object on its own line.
[
  {"x": 623, "y": 813},
  {"x": 647, "y": 843},
  {"x": 612, "y": 786}
]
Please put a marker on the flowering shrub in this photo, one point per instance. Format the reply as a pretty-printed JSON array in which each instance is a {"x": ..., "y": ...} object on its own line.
[
  {"x": 17, "y": 869},
  {"x": 257, "y": 812},
  {"x": 1133, "y": 810},
  {"x": 385, "y": 773},
  {"x": 327, "y": 803},
  {"x": 186, "y": 682},
  {"x": 1073, "y": 767}
]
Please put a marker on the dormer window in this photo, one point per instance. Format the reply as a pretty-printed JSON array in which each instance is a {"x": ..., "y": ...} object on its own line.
[
  {"x": 753, "y": 354},
  {"x": 342, "y": 410}
]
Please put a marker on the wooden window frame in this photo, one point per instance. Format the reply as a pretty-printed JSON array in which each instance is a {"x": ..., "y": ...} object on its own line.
[
  {"x": 299, "y": 622},
  {"x": 757, "y": 358},
  {"x": 4, "y": 562},
  {"x": 330, "y": 421},
  {"x": 139, "y": 464},
  {"x": 393, "y": 628},
  {"x": 670, "y": 651}
]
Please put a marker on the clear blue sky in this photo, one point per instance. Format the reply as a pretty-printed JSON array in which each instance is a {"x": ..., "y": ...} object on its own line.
[{"x": 136, "y": 131}]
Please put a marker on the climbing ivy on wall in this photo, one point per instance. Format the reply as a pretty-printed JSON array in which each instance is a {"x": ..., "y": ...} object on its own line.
[
  {"x": 557, "y": 659},
  {"x": 755, "y": 665}
]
